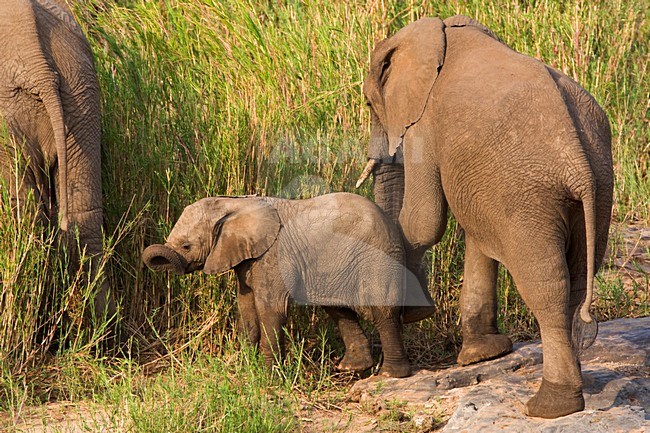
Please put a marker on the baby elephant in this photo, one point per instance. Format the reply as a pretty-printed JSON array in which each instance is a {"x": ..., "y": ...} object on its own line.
[{"x": 338, "y": 251}]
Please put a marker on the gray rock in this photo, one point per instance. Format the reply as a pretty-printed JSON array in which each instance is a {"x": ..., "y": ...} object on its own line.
[{"x": 490, "y": 396}]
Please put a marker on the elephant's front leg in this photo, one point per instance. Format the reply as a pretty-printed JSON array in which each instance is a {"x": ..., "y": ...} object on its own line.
[
  {"x": 357, "y": 348},
  {"x": 478, "y": 309},
  {"x": 248, "y": 325},
  {"x": 423, "y": 219},
  {"x": 271, "y": 321},
  {"x": 387, "y": 322}
]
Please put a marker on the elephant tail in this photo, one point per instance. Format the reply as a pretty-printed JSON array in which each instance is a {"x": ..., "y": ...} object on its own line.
[
  {"x": 585, "y": 191},
  {"x": 40, "y": 77},
  {"x": 589, "y": 209},
  {"x": 585, "y": 327},
  {"x": 49, "y": 93}
]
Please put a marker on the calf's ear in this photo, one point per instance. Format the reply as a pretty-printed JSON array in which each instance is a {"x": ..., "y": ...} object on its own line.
[{"x": 247, "y": 231}]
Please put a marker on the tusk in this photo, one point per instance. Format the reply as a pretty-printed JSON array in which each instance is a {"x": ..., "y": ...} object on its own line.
[{"x": 366, "y": 172}]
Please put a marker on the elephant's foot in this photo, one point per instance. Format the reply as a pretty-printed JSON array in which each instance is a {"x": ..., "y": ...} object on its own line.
[
  {"x": 553, "y": 400},
  {"x": 357, "y": 358},
  {"x": 483, "y": 347},
  {"x": 415, "y": 314},
  {"x": 396, "y": 370}
]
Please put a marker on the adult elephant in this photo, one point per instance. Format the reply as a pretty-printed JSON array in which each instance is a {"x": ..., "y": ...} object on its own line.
[
  {"x": 521, "y": 155},
  {"x": 49, "y": 99}
]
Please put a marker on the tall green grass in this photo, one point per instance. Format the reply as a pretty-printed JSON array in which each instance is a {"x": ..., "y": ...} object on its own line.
[{"x": 209, "y": 97}]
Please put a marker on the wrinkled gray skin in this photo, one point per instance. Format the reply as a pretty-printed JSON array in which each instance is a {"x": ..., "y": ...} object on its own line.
[
  {"x": 521, "y": 155},
  {"x": 49, "y": 99},
  {"x": 338, "y": 251}
]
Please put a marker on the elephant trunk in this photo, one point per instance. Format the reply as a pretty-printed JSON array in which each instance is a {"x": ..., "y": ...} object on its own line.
[
  {"x": 163, "y": 258},
  {"x": 389, "y": 189},
  {"x": 389, "y": 196}
]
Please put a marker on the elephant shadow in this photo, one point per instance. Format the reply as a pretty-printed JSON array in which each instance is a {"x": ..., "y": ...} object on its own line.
[{"x": 608, "y": 387}]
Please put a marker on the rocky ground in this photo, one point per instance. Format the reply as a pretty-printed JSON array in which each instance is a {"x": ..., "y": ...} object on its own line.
[{"x": 490, "y": 396}]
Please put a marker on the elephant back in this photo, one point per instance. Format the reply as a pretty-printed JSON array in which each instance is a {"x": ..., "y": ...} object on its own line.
[{"x": 339, "y": 249}]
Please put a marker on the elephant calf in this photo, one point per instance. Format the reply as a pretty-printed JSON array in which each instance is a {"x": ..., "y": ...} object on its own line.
[{"x": 338, "y": 251}]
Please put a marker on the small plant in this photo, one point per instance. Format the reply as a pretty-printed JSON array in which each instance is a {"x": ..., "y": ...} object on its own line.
[{"x": 395, "y": 416}]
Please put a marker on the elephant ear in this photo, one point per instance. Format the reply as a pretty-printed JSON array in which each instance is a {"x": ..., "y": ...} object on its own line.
[
  {"x": 247, "y": 231},
  {"x": 403, "y": 70}
]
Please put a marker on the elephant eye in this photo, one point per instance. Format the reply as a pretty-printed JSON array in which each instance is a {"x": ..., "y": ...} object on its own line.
[{"x": 186, "y": 247}]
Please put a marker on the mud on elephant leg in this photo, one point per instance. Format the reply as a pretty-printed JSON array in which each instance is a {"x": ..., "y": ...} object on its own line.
[
  {"x": 358, "y": 356},
  {"x": 478, "y": 305}
]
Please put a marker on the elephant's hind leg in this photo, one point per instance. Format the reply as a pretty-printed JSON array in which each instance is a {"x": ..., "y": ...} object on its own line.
[
  {"x": 18, "y": 176},
  {"x": 561, "y": 390},
  {"x": 478, "y": 306},
  {"x": 357, "y": 348},
  {"x": 387, "y": 321},
  {"x": 423, "y": 219}
]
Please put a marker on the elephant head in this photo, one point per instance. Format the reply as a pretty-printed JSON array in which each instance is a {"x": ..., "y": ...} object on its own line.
[
  {"x": 403, "y": 71},
  {"x": 397, "y": 100},
  {"x": 215, "y": 235}
]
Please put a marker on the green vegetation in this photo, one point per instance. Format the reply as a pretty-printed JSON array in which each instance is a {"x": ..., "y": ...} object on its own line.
[{"x": 206, "y": 97}]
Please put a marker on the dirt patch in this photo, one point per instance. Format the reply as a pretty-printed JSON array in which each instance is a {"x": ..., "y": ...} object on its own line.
[
  {"x": 365, "y": 415},
  {"x": 63, "y": 417}
]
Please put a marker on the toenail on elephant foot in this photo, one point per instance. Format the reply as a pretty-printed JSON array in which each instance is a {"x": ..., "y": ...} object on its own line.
[
  {"x": 483, "y": 347},
  {"x": 554, "y": 400},
  {"x": 395, "y": 370}
]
